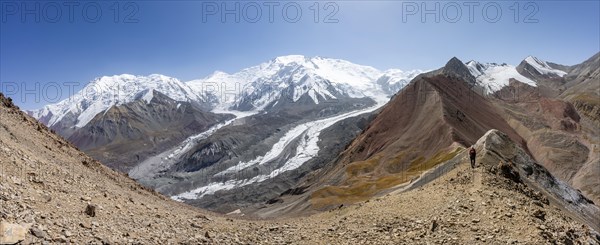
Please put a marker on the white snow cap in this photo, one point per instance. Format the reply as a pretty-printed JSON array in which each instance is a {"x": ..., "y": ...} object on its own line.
[
  {"x": 543, "y": 68},
  {"x": 493, "y": 77},
  {"x": 317, "y": 77},
  {"x": 107, "y": 91}
]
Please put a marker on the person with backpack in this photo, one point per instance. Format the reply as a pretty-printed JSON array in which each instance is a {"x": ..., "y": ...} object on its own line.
[{"x": 472, "y": 154}]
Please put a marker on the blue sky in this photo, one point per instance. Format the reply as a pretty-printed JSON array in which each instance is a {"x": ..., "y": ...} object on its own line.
[{"x": 184, "y": 39}]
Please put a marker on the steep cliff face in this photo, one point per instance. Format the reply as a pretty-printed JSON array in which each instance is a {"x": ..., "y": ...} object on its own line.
[
  {"x": 497, "y": 150},
  {"x": 586, "y": 98},
  {"x": 584, "y": 88}
]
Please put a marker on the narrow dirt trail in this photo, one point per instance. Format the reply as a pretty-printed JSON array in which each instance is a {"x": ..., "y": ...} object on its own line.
[
  {"x": 477, "y": 180},
  {"x": 476, "y": 190}
]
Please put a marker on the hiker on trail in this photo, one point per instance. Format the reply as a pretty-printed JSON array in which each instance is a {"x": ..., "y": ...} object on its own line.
[{"x": 472, "y": 154}]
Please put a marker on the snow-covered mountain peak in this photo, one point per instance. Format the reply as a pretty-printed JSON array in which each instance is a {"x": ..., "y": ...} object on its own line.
[
  {"x": 493, "y": 77},
  {"x": 160, "y": 77},
  {"x": 118, "y": 88},
  {"x": 288, "y": 59},
  {"x": 108, "y": 79},
  {"x": 543, "y": 67},
  {"x": 107, "y": 91},
  {"x": 253, "y": 88},
  {"x": 317, "y": 77},
  {"x": 472, "y": 63}
]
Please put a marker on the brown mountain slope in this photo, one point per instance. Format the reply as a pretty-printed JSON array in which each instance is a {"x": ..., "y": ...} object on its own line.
[
  {"x": 562, "y": 132},
  {"x": 420, "y": 128},
  {"x": 549, "y": 85},
  {"x": 586, "y": 71},
  {"x": 559, "y": 138},
  {"x": 46, "y": 185},
  {"x": 584, "y": 88}
]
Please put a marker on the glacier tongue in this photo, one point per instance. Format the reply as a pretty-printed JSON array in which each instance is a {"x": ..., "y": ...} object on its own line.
[
  {"x": 164, "y": 160},
  {"x": 308, "y": 135}
]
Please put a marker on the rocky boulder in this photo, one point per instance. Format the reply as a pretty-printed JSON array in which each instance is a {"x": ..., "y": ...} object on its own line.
[
  {"x": 495, "y": 149},
  {"x": 13, "y": 233}
]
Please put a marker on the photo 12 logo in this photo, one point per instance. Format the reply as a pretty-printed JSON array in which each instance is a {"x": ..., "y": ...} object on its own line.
[
  {"x": 253, "y": 12},
  {"x": 37, "y": 92},
  {"x": 68, "y": 11},
  {"x": 453, "y": 12}
]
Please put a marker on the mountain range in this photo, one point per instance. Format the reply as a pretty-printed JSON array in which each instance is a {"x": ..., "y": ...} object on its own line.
[
  {"x": 342, "y": 143},
  {"x": 295, "y": 124},
  {"x": 297, "y": 85}
]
